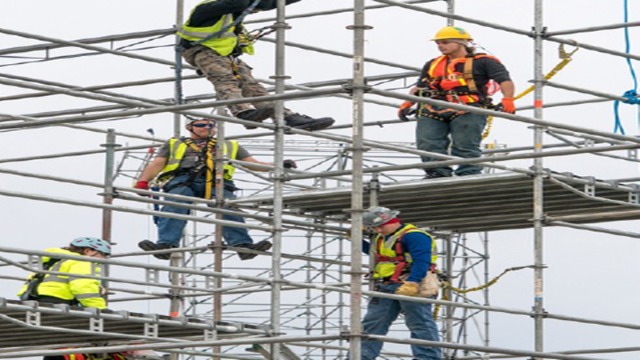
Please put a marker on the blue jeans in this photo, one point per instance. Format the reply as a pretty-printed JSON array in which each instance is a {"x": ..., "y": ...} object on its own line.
[
  {"x": 466, "y": 135},
  {"x": 170, "y": 230},
  {"x": 417, "y": 316}
]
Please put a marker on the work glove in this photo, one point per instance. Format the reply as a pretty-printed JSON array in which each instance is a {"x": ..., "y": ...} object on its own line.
[
  {"x": 408, "y": 288},
  {"x": 289, "y": 164},
  {"x": 406, "y": 110},
  {"x": 142, "y": 185},
  {"x": 507, "y": 105}
]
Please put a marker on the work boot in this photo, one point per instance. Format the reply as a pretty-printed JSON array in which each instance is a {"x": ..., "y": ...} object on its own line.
[
  {"x": 263, "y": 245},
  {"x": 257, "y": 115},
  {"x": 148, "y": 245},
  {"x": 432, "y": 174},
  {"x": 308, "y": 123}
]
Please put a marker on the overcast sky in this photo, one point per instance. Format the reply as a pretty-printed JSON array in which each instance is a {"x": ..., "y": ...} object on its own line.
[{"x": 590, "y": 275}]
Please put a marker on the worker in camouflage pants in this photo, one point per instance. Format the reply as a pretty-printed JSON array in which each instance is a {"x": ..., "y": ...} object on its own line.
[{"x": 218, "y": 59}]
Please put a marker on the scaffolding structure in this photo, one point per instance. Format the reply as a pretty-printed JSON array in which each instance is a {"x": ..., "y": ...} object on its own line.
[{"x": 317, "y": 207}]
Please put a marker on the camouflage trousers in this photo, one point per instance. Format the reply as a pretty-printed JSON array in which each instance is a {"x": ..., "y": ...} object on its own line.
[{"x": 231, "y": 78}]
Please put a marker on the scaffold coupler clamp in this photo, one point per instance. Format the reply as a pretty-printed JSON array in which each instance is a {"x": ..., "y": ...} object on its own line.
[
  {"x": 543, "y": 32},
  {"x": 349, "y": 87}
]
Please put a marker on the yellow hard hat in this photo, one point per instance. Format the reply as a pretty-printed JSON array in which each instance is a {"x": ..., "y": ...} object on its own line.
[{"x": 451, "y": 32}]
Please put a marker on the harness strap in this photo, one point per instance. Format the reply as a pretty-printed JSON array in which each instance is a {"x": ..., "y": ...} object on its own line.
[
  {"x": 468, "y": 75},
  {"x": 209, "y": 165},
  {"x": 209, "y": 186}
]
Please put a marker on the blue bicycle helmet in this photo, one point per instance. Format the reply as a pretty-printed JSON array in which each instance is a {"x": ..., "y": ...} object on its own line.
[{"x": 93, "y": 243}]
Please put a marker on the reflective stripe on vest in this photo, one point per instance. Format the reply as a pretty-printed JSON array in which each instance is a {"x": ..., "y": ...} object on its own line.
[
  {"x": 178, "y": 148},
  {"x": 386, "y": 249},
  {"x": 223, "y": 44}
]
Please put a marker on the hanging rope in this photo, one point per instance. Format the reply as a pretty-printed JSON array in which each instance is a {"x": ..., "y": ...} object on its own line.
[
  {"x": 566, "y": 59},
  {"x": 630, "y": 95},
  {"x": 447, "y": 285}
]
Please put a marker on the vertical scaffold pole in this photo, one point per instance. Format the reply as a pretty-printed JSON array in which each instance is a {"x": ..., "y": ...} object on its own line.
[
  {"x": 451, "y": 9},
  {"x": 538, "y": 195},
  {"x": 485, "y": 292},
  {"x": 448, "y": 320},
  {"x": 357, "y": 194},
  {"x": 107, "y": 214},
  {"x": 278, "y": 173},
  {"x": 217, "y": 252},
  {"x": 178, "y": 60}
]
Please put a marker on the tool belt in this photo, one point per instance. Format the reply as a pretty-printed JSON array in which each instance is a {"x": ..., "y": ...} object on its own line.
[
  {"x": 445, "y": 114},
  {"x": 393, "y": 279},
  {"x": 194, "y": 173}
]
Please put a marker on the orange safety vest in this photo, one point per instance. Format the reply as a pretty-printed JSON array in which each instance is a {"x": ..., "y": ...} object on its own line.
[{"x": 456, "y": 78}]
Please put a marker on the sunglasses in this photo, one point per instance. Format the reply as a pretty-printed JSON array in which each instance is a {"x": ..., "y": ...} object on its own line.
[{"x": 207, "y": 125}]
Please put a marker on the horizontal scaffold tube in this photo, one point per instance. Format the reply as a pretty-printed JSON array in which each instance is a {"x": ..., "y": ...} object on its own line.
[{"x": 317, "y": 287}]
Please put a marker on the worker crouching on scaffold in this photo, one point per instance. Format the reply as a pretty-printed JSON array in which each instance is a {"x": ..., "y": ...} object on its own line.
[{"x": 461, "y": 76}]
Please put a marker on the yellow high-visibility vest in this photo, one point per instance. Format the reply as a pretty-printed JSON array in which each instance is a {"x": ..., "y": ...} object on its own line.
[
  {"x": 387, "y": 259},
  {"x": 223, "y": 44},
  {"x": 177, "y": 149}
]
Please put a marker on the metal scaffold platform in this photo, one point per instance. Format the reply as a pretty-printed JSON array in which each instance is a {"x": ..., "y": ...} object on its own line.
[
  {"x": 475, "y": 203},
  {"x": 25, "y": 324}
]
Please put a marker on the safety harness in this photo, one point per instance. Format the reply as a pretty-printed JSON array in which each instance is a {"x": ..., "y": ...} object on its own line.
[
  {"x": 462, "y": 87},
  {"x": 202, "y": 165},
  {"x": 403, "y": 266},
  {"x": 31, "y": 293},
  {"x": 109, "y": 356}
]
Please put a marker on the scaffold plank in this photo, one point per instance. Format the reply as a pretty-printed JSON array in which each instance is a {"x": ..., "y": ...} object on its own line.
[
  {"x": 475, "y": 203},
  {"x": 59, "y": 324}
]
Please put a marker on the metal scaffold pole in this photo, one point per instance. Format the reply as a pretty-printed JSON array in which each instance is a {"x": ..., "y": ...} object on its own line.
[
  {"x": 178, "y": 75},
  {"x": 278, "y": 173},
  {"x": 538, "y": 184},
  {"x": 107, "y": 214},
  {"x": 358, "y": 89}
]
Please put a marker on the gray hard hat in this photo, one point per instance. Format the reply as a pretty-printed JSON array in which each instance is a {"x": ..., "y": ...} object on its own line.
[{"x": 378, "y": 215}]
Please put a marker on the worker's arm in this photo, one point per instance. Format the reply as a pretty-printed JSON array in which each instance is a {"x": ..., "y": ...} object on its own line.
[
  {"x": 272, "y": 4},
  {"x": 153, "y": 169},
  {"x": 211, "y": 12},
  {"x": 508, "y": 89},
  {"x": 86, "y": 291},
  {"x": 251, "y": 159},
  {"x": 419, "y": 246}
]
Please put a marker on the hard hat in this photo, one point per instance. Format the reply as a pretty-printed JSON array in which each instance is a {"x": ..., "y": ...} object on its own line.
[
  {"x": 377, "y": 216},
  {"x": 451, "y": 32},
  {"x": 93, "y": 243}
]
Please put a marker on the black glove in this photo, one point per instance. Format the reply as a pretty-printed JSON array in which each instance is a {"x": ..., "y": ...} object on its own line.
[
  {"x": 289, "y": 164},
  {"x": 405, "y": 111}
]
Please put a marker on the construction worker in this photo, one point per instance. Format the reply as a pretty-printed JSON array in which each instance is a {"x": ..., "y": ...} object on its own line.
[
  {"x": 461, "y": 76},
  {"x": 403, "y": 255},
  {"x": 185, "y": 167},
  {"x": 69, "y": 289},
  {"x": 217, "y": 58}
]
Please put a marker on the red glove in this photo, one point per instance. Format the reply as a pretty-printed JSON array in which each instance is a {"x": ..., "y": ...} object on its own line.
[
  {"x": 507, "y": 105},
  {"x": 142, "y": 185},
  {"x": 405, "y": 110}
]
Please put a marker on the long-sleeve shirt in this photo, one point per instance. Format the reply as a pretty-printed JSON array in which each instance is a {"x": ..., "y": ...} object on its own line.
[
  {"x": 210, "y": 13},
  {"x": 419, "y": 246}
]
